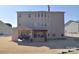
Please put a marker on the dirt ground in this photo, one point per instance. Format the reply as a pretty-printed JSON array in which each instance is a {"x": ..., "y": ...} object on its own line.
[{"x": 7, "y": 46}]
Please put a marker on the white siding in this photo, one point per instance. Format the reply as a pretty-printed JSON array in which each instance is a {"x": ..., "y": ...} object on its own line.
[
  {"x": 71, "y": 28},
  {"x": 5, "y": 29}
]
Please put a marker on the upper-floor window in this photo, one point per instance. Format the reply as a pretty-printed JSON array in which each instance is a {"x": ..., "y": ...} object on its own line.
[
  {"x": 19, "y": 24},
  {"x": 38, "y": 14},
  {"x": 41, "y": 14},
  {"x": 19, "y": 15},
  {"x": 29, "y": 15},
  {"x": 35, "y": 14},
  {"x": 45, "y": 24},
  {"x": 45, "y": 14}
]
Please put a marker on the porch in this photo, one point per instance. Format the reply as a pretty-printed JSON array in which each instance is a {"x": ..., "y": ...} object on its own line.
[{"x": 33, "y": 35}]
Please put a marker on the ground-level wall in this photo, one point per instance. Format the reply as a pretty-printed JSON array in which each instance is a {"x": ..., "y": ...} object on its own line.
[
  {"x": 72, "y": 35},
  {"x": 14, "y": 34}
]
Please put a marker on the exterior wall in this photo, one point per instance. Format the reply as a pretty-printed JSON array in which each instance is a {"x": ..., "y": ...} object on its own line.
[
  {"x": 5, "y": 30},
  {"x": 56, "y": 25},
  {"x": 72, "y": 28},
  {"x": 52, "y": 21},
  {"x": 34, "y": 21},
  {"x": 14, "y": 34}
]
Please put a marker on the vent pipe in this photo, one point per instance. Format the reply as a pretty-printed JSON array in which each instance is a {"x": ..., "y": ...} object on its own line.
[{"x": 48, "y": 8}]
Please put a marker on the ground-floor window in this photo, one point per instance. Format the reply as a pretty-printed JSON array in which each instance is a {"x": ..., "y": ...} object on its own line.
[
  {"x": 24, "y": 34},
  {"x": 39, "y": 35},
  {"x": 53, "y": 35},
  {"x": 48, "y": 34},
  {"x": 62, "y": 35}
]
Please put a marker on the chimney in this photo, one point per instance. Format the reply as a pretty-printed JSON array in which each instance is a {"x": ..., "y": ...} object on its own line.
[{"x": 48, "y": 8}]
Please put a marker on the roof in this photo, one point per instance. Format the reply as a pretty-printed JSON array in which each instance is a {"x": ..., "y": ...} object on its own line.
[
  {"x": 42, "y": 11},
  {"x": 70, "y": 21},
  {"x": 4, "y": 23}
]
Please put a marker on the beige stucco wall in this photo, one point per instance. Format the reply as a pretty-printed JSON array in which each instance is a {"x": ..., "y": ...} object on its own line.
[
  {"x": 56, "y": 24},
  {"x": 15, "y": 34},
  {"x": 33, "y": 21},
  {"x": 54, "y": 21}
]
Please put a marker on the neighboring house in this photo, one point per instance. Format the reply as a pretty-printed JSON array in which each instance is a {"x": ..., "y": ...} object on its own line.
[
  {"x": 72, "y": 27},
  {"x": 5, "y": 29},
  {"x": 39, "y": 24}
]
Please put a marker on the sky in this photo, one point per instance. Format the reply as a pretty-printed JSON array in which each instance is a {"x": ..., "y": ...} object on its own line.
[{"x": 8, "y": 12}]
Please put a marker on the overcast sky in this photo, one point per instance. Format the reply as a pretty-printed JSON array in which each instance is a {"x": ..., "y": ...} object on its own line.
[{"x": 8, "y": 12}]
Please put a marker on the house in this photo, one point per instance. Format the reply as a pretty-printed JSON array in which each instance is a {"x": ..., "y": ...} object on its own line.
[
  {"x": 5, "y": 29},
  {"x": 39, "y": 24},
  {"x": 72, "y": 28}
]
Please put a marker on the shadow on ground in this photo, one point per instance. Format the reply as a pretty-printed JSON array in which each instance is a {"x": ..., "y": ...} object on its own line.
[{"x": 69, "y": 42}]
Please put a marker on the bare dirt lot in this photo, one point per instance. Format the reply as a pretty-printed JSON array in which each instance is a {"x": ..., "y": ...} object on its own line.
[
  {"x": 51, "y": 47},
  {"x": 7, "y": 46}
]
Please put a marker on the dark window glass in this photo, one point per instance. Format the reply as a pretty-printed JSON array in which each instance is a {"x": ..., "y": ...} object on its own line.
[
  {"x": 53, "y": 34},
  {"x": 48, "y": 34},
  {"x": 29, "y": 15},
  {"x": 62, "y": 34},
  {"x": 45, "y": 24},
  {"x": 35, "y": 14},
  {"x": 35, "y": 35},
  {"x": 38, "y": 15},
  {"x": 45, "y": 14},
  {"x": 19, "y": 15},
  {"x": 41, "y": 14},
  {"x": 19, "y": 24}
]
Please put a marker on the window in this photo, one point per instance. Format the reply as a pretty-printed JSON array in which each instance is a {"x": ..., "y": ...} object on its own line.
[
  {"x": 45, "y": 14},
  {"x": 19, "y": 15},
  {"x": 41, "y": 14},
  {"x": 19, "y": 24},
  {"x": 48, "y": 34},
  {"x": 38, "y": 15},
  {"x": 29, "y": 15},
  {"x": 53, "y": 34},
  {"x": 45, "y": 24},
  {"x": 62, "y": 35},
  {"x": 35, "y": 14}
]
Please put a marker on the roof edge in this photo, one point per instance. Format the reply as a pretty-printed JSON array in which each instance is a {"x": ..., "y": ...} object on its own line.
[{"x": 43, "y": 11}]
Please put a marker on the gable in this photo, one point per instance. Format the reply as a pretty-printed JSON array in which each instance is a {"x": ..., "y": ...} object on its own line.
[
  {"x": 70, "y": 21},
  {"x": 4, "y": 25}
]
